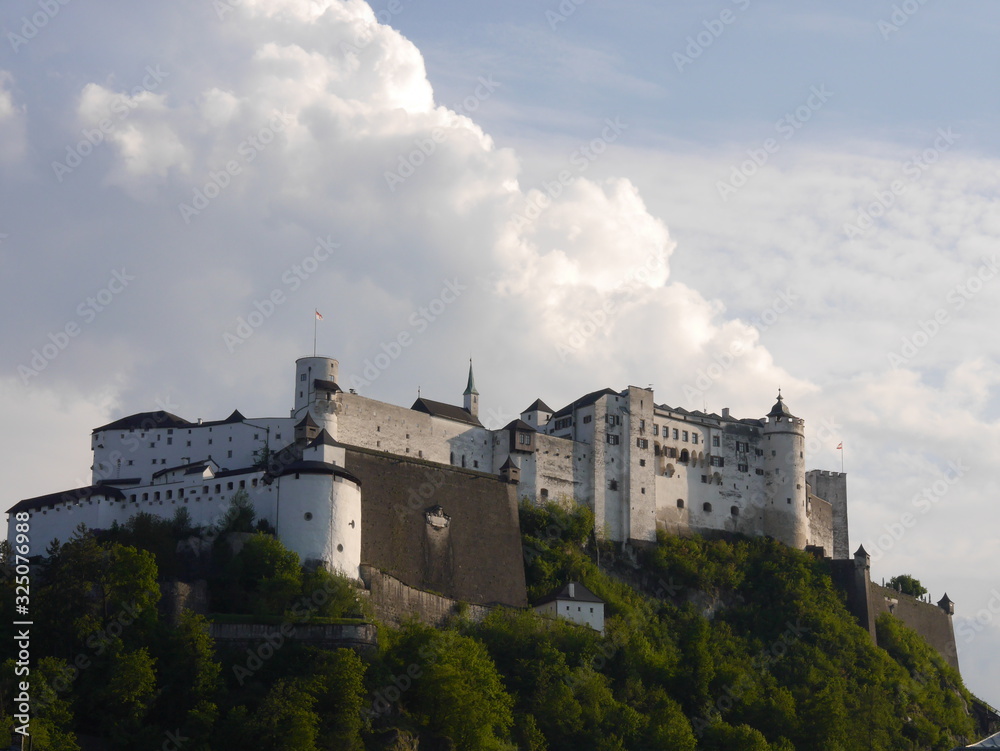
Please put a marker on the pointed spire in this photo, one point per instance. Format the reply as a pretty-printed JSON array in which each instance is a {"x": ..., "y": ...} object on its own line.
[{"x": 471, "y": 388}]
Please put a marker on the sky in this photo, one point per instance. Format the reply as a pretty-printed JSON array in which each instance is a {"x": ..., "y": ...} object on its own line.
[{"x": 715, "y": 199}]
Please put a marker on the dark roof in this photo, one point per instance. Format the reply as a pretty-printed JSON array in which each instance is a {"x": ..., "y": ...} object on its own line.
[
  {"x": 307, "y": 422},
  {"x": 241, "y": 471},
  {"x": 319, "y": 383},
  {"x": 121, "y": 481},
  {"x": 236, "y": 416},
  {"x": 146, "y": 421},
  {"x": 317, "y": 468},
  {"x": 779, "y": 409},
  {"x": 67, "y": 496},
  {"x": 191, "y": 468},
  {"x": 584, "y": 401},
  {"x": 323, "y": 439},
  {"x": 509, "y": 464},
  {"x": 538, "y": 405},
  {"x": 580, "y": 594},
  {"x": 519, "y": 425},
  {"x": 448, "y": 411},
  {"x": 470, "y": 388}
]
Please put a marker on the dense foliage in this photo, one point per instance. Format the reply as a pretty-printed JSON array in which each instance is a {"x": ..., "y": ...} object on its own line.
[
  {"x": 739, "y": 644},
  {"x": 908, "y": 585}
]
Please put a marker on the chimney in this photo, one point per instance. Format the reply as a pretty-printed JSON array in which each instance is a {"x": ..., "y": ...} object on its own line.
[
  {"x": 572, "y": 591},
  {"x": 725, "y": 412}
]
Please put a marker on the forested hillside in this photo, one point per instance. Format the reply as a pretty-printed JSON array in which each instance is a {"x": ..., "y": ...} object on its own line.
[{"x": 709, "y": 645}]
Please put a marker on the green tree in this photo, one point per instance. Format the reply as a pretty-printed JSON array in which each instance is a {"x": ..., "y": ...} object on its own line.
[
  {"x": 339, "y": 687},
  {"x": 285, "y": 719},
  {"x": 240, "y": 515},
  {"x": 908, "y": 585}
]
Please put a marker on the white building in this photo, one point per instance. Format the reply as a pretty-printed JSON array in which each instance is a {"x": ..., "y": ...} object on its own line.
[
  {"x": 641, "y": 467},
  {"x": 573, "y": 602}
]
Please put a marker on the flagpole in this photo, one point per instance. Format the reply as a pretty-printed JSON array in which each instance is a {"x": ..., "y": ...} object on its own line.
[{"x": 315, "y": 324}]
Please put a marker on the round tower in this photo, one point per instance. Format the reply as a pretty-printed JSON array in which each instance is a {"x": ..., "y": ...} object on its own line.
[
  {"x": 316, "y": 391},
  {"x": 783, "y": 441}
]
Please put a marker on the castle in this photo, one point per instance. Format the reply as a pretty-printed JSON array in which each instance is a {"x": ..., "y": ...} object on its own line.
[
  {"x": 422, "y": 500},
  {"x": 641, "y": 466}
]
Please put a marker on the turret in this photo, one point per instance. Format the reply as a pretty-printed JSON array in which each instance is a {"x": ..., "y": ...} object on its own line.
[
  {"x": 317, "y": 392},
  {"x": 471, "y": 400},
  {"x": 946, "y": 604},
  {"x": 785, "y": 481}
]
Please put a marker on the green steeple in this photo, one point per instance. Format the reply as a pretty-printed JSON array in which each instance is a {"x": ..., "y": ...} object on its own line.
[{"x": 471, "y": 388}]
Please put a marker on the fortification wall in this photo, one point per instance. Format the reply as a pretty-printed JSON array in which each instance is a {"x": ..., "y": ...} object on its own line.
[
  {"x": 821, "y": 532},
  {"x": 468, "y": 549},
  {"x": 394, "y": 601},
  {"x": 930, "y": 621}
]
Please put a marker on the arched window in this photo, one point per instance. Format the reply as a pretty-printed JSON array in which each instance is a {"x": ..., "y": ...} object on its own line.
[
  {"x": 545, "y": 493},
  {"x": 707, "y": 507},
  {"x": 685, "y": 456},
  {"x": 670, "y": 470},
  {"x": 735, "y": 511},
  {"x": 680, "y": 503}
]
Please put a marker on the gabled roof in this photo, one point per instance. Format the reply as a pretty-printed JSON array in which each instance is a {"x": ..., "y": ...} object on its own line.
[
  {"x": 307, "y": 422},
  {"x": 323, "y": 439},
  {"x": 580, "y": 594},
  {"x": 447, "y": 411},
  {"x": 67, "y": 496},
  {"x": 519, "y": 425},
  {"x": 146, "y": 421},
  {"x": 584, "y": 401},
  {"x": 235, "y": 417},
  {"x": 539, "y": 406}
]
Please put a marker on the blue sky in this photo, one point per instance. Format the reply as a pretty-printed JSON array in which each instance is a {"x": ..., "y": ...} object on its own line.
[{"x": 518, "y": 190}]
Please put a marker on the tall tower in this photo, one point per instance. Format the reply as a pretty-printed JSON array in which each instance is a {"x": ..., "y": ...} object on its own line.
[
  {"x": 785, "y": 517},
  {"x": 471, "y": 401},
  {"x": 316, "y": 391}
]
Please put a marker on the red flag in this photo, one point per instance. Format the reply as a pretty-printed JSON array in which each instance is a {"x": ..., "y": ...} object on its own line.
[
  {"x": 840, "y": 446},
  {"x": 319, "y": 316}
]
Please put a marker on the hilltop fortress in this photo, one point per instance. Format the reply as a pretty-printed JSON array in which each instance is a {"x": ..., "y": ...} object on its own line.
[
  {"x": 641, "y": 466},
  {"x": 424, "y": 499}
]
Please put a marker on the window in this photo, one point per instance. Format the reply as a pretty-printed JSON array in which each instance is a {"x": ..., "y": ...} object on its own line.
[
  {"x": 170, "y": 494},
  {"x": 684, "y": 435},
  {"x": 156, "y": 495},
  {"x": 218, "y": 488},
  {"x": 642, "y": 424},
  {"x": 759, "y": 452},
  {"x": 707, "y": 507},
  {"x": 680, "y": 503},
  {"x": 145, "y": 496},
  {"x": 209, "y": 440},
  {"x": 545, "y": 493},
  {"x": 642, "y": 490},
  {"x": 187, "y": 443},
  {"x": 612, "y": 484},
  {"x": 759, "y": 471},
  {"x": 564, "y": 422},
  {"x": 704, "y": 479},
  {"x": 676, "y": 434},
  {"x": 152, "y": 445},
  {"x": 613, "y": 420},
  {"x": 243, "y": 484},
  {"x": 743, "y": 467},
  {"x": 204, "y": 489},
  {"x": 130, "y": 462},
  {"x": 180, "y": 493},
  {"x": 789, "y": 500},
  {"x": 656, "y": 429},
  {"x": 612, "y": 439},
  {"x": 694, "y": 438},
  {"x": 524, "y": 439},
  {"x": 475, "y": 464},
  {"x": 642, "y": 443},
  {"x": 170, "y": 441},
  {"x": 307, "y": 516},
  {"x": 742, "y": 448},
  {"x": 229, "y": 486},
  {"x": 717, "y": 461},
  {"x": 302, "y": 376},
  {"x": 229, "y": 454},
  {"x": 734, "y": 510},
  {"x": 715, "y": 441},
  {"x": 587, "y": 419},
  {"x": 642, "y": 462}
]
